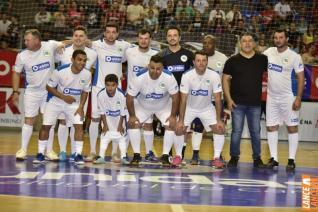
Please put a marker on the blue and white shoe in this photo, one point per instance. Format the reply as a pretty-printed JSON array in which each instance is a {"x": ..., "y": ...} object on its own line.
[
  {"x": 150, "y": 157},
  {"x": 99, "y": 160},
  {"x": 72, "y": 157},
  {"x": 40, "y": 158},
  {"x": 79, "y": 160},
  {"x": 62, "y": 156}
]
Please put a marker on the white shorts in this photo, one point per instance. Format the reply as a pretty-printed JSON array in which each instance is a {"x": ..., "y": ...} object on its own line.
[
  {"x": 112, "y": 136},
  {"x": 146, "y": 116},
  {"x": 69, "y": 123},
  {"x": 52, "y": 111},
  {"x": 280, "y": 110},
  {"x": 207, "y": 117},
  {"x": 33, "y": 101}
]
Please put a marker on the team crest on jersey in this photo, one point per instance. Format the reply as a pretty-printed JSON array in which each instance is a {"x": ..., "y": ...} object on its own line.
[
  {"x": 207, "y": 82},
  {"x": 285, "y": 60},
  {"x": 46, "y": 53},
  {"x": 82, "y": 82},
  {"x": 184, "y": 58},
  {"x": 118, "y": 103},
  {"x": 162, "y": 85},
  {"x": 218, "y": 64}
]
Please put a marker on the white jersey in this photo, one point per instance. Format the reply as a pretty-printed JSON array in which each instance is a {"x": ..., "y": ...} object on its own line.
[
  {"x": 200, "y": 88},
  {"x": 137, "y": 60},
  {"x": 112, "y": 107},
  {"x": 66, "y": 56},
  {"x": 216, "y": 62},
  {"x": 37, "y": 65},
  {"x": 153, "y": 94},
  {"x": 69, "y": 84},
  {"x": 282, "y": 69},
  {"x": 109, "y": 60}
]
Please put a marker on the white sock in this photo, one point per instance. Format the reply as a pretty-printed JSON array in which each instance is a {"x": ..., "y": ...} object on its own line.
[
  {"x": 127, "y": 141},
  {"x": 218, "y": 145},
  {"x": 293, "y": 144},
  {"x": 114, "y": 147},
  {"x": 178, "y": 142},
  {"x": 148, "y": 138},
  {"x": 62, "y": 134},
  {"x": 72, "y": 137},
  {"x": 272, "y": 138},
  {"x": 135, "y": 137},
  {"x": 79, "y": 147},
  {"x": 93, "y": 134},
  {"x": 196, "y": 140},
  {"x": 42, "y": 145},
  {"x": 167, "y": 141},
  {"x": 103, "y": 146},
  {"x": 49, "y": 145},
  {"x": 25, "y": 136},
  {"x": 122, "y": 147}
]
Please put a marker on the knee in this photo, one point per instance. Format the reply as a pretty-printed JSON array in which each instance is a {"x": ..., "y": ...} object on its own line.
[
  {"x": 29, "y": 121},
  {"x": 147, "y": 127},
  {"x": 272, "y": 128},
  {"x": 62, "y": 121},
  {"x": 292, "y": 129}
]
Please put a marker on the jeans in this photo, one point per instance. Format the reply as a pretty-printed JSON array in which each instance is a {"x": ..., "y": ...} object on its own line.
[{"x": 252, "y": 114}]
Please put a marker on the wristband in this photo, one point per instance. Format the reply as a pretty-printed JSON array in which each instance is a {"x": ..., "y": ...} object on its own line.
[{"x": 18, "y": 92}]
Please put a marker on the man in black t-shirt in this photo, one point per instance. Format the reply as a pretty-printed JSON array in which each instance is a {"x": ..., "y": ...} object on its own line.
[
  {"x": 176, "y": 60},
  {"x": 242, "y": 86}
]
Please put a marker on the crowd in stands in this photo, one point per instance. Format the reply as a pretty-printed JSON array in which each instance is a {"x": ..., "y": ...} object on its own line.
[{"x": 216, "y": 17}]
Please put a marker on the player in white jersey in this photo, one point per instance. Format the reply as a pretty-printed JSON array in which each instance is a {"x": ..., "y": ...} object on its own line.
[
  {"x": 155, "y": 92},
  {"x": 216, "y": 61},
  {"x": 69, "y": 85},
  {"x": 197, "y": 87},
  {"x": 138, "y": 58},
  {"x": 112, "y": 107},
  {"x": 37, "y": 62},
  {"x": 79, "y": 40},
  {"x": 284, "y": 92},
  {"x": 110, "y": 56}
]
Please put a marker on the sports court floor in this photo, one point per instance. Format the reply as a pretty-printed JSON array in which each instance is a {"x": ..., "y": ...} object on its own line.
[{"x": 111, "y": 187}]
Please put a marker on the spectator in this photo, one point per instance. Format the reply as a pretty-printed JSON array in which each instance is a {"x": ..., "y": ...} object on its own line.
[
  {"x": 268, "y": 14},
  {"x": 197, "y": 25},
  {"x": 254, "y": 26},
  {"x": 218, "y": 27},
  {"x": 201, "y": 5},
  {"x": 240, "y": 28},
  {"x": 51, "y": 5},
  {"x": 308, "y": 56},
  {"x": 234, "y": 12},
  {"x": 282, "y": 10},
  {"x": 262, "y": 46},
  {"x": 293, "y": 34},
  {"x": 151, "y": 22},
  {"x": 187, "y": 10},
  {"x": 60, "y": 16},
  {"x": 167, "y": 16},
  {"x": 75, "y": 16},
  {"x": 298, "y": 46},
  {"x": 308, "y": 36},
  {"x": 135, "y": 13},
  {"x": 216, "y": 13},
  {"x": 302, "y": 25},
  {"x": 4, "y": 24},
  {"x": 115, "y": 15},
  {"x": 42, "y": 17},
  {"x": 14, "y": 31},
  {"x": 151, "y": 6},
  {"x": 249, "y": 12}
]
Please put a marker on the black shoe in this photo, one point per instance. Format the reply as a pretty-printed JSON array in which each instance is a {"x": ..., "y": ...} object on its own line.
[
  {"x": 195, "y": 158},
  {"x": 233, "y": 162},
  {"x": 165, "y": 160},
  {"x": 272, "y": 163},
  {"x": 136, "y": 159},
  {"x": 291, "y": 165},
  {"x": 258, "y": 163}
]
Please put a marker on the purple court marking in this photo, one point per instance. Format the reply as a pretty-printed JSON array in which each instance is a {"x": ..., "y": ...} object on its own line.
[{"x": 244, "y": 186}]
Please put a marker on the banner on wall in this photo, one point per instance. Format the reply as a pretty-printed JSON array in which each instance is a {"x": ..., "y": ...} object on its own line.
[
  {"x": 7, "y": 60},
  {"x": 311, "y": 83}
]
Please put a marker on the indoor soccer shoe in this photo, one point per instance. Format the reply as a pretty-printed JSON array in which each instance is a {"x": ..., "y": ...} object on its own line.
[
  {"x": 272, "y": 163},
  {"x": 165, "y": 160},
  {"x": 177, "y": 161},
  {"x": 51, "y": 156},
  {"x": 136, "y": 159},
  {"x": 21, "y": 155},
  {"x": 79, "y": 160},
  {"x": 62, "y": 156},
  {"x": 217, "y": 163},
  {"x": 290, "y": 165},
  {"x": 90, "y": 158},
  {"x": 150, "y": 157},
  {"x": 40, "y": 158},
  {"x": 99, "y": 160}
]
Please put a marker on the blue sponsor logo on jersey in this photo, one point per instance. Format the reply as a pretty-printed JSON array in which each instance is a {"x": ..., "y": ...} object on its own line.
[
  {"x": 136, "y": 69},
  {"x": 113, "y": 113},
  {"x": 199, "y": 92},
  {"x": 41, "y": 66},
  {"x": 275, "y": 67},
  {"x": 72, "y": 91},
  {"x": 154, "y": 96},
  {"x": 295, "y": 120},
  {"x": 176, "y": 68},
  {"x": 113, "y": 59}
]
